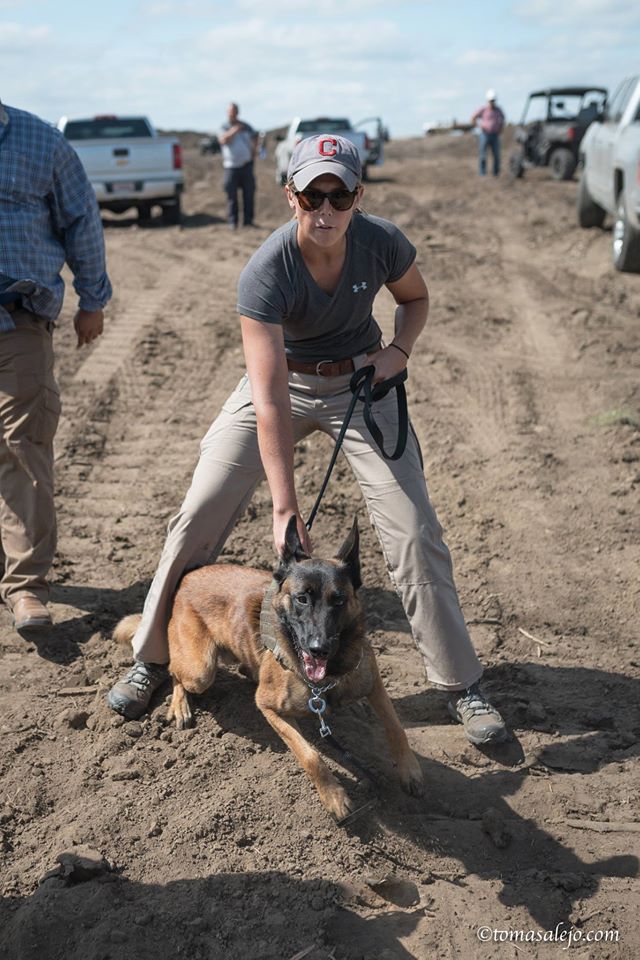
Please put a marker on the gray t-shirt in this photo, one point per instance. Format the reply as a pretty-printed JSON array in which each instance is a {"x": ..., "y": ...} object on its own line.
[
  {"x": 276, "y": 287},
  {"x": 239, "y": 150}
]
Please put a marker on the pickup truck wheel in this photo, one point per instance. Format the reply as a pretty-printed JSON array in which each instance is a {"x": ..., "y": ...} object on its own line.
[
  {"x": 144, "y": 213},
  {"x": 172, "y": 213},
  {"x": 562, "y": 163},
  {"x": 590, "y": 213},
  {"x": 626, "y": 242}
]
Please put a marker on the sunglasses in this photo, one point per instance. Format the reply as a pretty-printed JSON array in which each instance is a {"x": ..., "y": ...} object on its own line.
[{"x": 311, "y": 199}]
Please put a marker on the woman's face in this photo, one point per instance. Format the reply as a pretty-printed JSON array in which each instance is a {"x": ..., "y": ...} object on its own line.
[{"x": 324, "y": 226}]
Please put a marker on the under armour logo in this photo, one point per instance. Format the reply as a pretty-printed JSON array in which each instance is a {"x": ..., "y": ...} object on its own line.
[{"x": 359, "y": 286}]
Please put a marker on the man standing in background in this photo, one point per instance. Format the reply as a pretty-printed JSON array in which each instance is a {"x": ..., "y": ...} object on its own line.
[
  {"x": 239, "y": 143},
  {"x": 48, "y": 216},
  {"x": 491, "y": 120}
]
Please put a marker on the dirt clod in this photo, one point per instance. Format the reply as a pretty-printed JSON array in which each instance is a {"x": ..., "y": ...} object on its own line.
[
  {"x": 78, "y": 866},
  {"x": 496, "y": 829}
]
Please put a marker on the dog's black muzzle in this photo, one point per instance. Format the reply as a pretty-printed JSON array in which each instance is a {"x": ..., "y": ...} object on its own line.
[{"x": 321, "y": 648}]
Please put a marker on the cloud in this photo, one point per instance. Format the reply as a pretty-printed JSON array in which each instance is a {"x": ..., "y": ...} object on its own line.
[
  {"x": 581, "y": 13},
  {"x": 186, "y": 82},
  {"x": 273, "y": 10},
  {"x": 472, "y": 58},
  {"x": 279, "y": 74},
  {"x": 598, "y": 42},
  {"x": 287, "y": 47},
  {"x": 345, "y": 57},
  {"x": 445, "y": 94},
  {"x": 16, "y": 38},
  {"x": 277, "y": 8}
]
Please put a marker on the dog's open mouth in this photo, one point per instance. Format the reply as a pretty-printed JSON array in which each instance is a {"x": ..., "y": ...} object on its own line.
[{"x": 314, "y": 667}]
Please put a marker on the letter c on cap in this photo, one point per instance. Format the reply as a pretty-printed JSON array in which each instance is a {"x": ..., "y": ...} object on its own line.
[{"x": 326, "y": 151}]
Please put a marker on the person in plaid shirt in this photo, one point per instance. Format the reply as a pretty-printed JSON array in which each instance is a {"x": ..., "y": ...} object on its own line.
[{"x": 48, "y": 217}]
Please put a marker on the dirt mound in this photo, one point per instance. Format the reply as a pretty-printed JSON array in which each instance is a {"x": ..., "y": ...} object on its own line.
[{"x": 212, "y": 843}]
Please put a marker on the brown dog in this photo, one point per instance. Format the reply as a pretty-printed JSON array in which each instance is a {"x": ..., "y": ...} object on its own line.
[{"x": 297, "y": 635}]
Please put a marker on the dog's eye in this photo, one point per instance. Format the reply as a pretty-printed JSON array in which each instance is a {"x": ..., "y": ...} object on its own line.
[
  {"x": 302, "y": 598},
  {"x": 338, "y": 599}
]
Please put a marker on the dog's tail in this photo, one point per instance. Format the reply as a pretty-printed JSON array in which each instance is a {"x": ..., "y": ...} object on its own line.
[{"x": 125, "y": 629}]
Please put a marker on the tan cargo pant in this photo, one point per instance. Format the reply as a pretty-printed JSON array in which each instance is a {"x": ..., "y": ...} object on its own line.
[
  {"x": 29, "y": 414},
  {"x": 395, "y": 493}
]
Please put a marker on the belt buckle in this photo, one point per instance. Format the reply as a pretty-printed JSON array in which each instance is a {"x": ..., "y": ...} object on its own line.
[{"x": 319, "y": 372}]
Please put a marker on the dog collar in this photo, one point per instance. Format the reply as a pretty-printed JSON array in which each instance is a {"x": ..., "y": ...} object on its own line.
[{"x": 267, "y": 628}]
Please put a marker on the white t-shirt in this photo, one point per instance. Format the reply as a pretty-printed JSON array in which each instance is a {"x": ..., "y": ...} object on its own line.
[{"x": 239, "y": 150}]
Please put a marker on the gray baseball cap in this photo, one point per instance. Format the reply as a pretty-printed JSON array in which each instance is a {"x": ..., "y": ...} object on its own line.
[{"x": 326, "y": 153}]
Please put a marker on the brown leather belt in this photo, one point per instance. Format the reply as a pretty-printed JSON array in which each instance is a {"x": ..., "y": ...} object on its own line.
[{"x": 324, "y": 368}]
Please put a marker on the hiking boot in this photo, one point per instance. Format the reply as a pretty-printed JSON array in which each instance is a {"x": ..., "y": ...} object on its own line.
[
  {"x": 29, "y": 613},
  {"x": 131, "y": 695},
  {"x": 482, "y": 723}
]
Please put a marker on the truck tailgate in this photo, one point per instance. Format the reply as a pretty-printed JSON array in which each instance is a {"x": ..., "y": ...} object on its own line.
[{"x": 125, "y": 159}]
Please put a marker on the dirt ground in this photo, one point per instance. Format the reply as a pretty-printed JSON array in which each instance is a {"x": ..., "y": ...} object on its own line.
[{"x": 524, "y": 392}]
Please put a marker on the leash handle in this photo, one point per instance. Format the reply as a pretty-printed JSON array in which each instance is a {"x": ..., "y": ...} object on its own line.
[{"x": 363, "y": 378}]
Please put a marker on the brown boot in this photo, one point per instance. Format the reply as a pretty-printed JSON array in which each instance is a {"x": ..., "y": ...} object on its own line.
[{"x": 29, "y": 612}]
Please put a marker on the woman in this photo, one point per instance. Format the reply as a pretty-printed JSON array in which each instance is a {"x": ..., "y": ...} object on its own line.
[{"x": 305, "y": 300}]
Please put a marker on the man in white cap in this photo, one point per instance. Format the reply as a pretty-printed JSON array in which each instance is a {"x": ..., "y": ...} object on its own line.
[{"x": 490, "y": 119}]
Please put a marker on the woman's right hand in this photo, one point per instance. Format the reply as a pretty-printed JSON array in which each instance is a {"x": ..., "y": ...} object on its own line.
[
  {"x": 280, "y": 521},
  {"x": 269, "y": 377},
  {"x": 388, "y": 362}
]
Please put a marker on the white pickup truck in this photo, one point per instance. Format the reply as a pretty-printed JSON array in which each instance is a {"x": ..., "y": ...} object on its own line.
[
  {"x": 369, "y": 146},
  {"x": 129, "y": 164},
  {"x": 610, "y": 182}
]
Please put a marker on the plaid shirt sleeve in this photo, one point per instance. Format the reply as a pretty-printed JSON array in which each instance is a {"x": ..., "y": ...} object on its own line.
[{"x": 76, "y": 219}]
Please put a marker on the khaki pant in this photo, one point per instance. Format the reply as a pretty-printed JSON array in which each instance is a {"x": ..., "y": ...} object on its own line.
[
  {"x": 395, "y": 493},
  {"x": 29, "y": 413}
]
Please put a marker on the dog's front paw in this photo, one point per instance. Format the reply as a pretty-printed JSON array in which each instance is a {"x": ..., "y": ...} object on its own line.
[
  {"x": 411, "y": 776},
  {"x": 336, "y": 801},
  {"x": 179, "y": 710},
  {"x": 184, "y": 722},
  {"x": 181, "y": 713}
]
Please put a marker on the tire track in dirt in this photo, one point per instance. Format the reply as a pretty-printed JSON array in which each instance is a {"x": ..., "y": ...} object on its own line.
[
  {"x": 114, "y": 347},
  {"x": 504, "y": 358},
  {"x": 533, "y": 392},
  {"x": 154, "y": 359}
]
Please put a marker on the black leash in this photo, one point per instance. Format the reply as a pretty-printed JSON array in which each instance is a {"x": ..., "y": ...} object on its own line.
[
  {"x": 318, "y": 705},
  {"x": 362, "y": 388}
]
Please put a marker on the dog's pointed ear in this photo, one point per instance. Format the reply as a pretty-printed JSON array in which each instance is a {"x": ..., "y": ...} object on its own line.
[
  {"x": 292, "y": 550},
  {"x": 349, "y": 555}
]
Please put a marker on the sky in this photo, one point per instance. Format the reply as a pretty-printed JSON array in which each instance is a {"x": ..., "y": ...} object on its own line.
[{"x": 181, "y": 61}]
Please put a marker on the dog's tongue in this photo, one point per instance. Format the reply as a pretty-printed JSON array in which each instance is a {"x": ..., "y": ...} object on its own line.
[{"x": 314, "y": 668}]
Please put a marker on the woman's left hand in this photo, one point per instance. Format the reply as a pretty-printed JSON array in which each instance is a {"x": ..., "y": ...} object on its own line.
[{"x": 388, "y": 362}]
